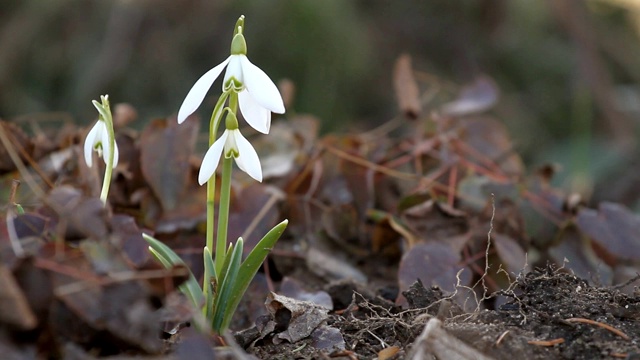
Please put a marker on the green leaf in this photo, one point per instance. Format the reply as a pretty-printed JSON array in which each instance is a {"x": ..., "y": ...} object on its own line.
[
  {"x": 210, "y": 283},
  {"x": 221, "y": 316},
  {"x": 225, "y": 266},
  {"x": 250, "y": 267},
  {"x": 166, "y": 263},
  {"x": 169, "y": 258}
]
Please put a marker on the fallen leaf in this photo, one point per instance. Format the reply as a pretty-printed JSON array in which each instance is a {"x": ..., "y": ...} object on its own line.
[
  {"x": 332, "y": 267},
  {"x": 253, "y": 213},
  {"x": 327, "y": 338},
  {"x": 434, "y": 221},
  {"x": 293, "y": 289},
  {"x": 194, "y": 345},
  {"x": 82, "y": 216},
  {"x": 488, "y": 144},
  {"x": 128, "y": 237},
  {"x": 614, "y": 228},
  {"x": 582, "y": 260},
  {"x": 15, "y": 309},
  {"x": 434, "y": 263},
  {"x": 298, "y": 318},
  {"x": 479, "y": 96},
  {"x": 165, "y": 149},
  {"x": 510, "y": 253},
  {"x": 30, "y": 225}
]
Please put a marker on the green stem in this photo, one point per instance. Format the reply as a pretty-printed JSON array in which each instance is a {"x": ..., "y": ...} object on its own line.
[
  {"x": 106, "y": 182},
  {"x": 223, "y": 214},
  {"x": 214, "y": 123},
  {"x": 233, "y": 102}
]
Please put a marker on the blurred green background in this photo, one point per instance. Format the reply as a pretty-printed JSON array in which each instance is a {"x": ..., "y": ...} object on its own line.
[{"x": 568, "y": 69}]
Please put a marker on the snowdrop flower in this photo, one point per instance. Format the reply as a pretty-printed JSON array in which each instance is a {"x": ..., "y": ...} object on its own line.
[
  {"x": 258, "y": 96},
  {"x": 98, "y": 140},
  {"x": 231, "y": 144}
]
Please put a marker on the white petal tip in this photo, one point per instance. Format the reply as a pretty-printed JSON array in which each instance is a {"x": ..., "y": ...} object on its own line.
[{"x": 280, "y": 109}]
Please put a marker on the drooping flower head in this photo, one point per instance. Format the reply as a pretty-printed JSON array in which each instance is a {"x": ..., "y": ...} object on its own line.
[
  {"x": 258, "y": 96},
  {"x": 98, "y": 137},
  {"x": 231, "y": 145}
]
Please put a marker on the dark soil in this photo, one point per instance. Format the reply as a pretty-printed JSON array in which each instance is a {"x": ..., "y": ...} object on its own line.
[{"x": 548, "y": 314}]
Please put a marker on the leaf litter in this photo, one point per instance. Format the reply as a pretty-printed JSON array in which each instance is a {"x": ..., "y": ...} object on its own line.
[{"x": 418, "y": 239}]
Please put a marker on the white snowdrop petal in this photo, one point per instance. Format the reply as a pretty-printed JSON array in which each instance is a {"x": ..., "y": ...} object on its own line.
[
  {"x": 89, "y": 142},
  {"x": 260, "y": 86},
  {"x": 104, "y": 140},
  {"x": 116, "y": 154},
  {"x": 248, "y": 160},
  {"x": 258, "y": 117},
  {"x": 199, "y": 90},
  {"x": 234, "y": 69},
  {"x": 212, "y": 158}
]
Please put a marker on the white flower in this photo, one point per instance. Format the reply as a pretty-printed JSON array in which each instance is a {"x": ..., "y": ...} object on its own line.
[
  {"x": 98, "y": 140},
  {"x": 258, "y": 96},
  {"x": 236, "y": 146}
]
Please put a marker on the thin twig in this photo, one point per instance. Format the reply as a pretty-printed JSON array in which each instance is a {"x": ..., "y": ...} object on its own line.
[
  {"x": 546, "y": 342},
  {"x": 602, "y": 325}
]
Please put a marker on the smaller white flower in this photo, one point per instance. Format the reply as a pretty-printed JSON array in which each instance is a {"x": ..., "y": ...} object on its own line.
[
  {"x": 234, "y": 145},
  {"x": 258, "y": 96},
  {"x": 98, "y": 140}
]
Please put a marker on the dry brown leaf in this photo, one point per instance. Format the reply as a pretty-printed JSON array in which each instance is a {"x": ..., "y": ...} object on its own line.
[
  {"x": 614, "y": 228},
  {"x": 299, "y": 318},
  {"x": 165, "y": 149},
  {"x": 406, "y": 87},
  {"x": 15, "y": 309}
]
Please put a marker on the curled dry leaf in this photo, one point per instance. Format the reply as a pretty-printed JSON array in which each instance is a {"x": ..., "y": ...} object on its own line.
[
  {"x": 298, "y": 318},
  {"x": 406, "y": 87}
]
